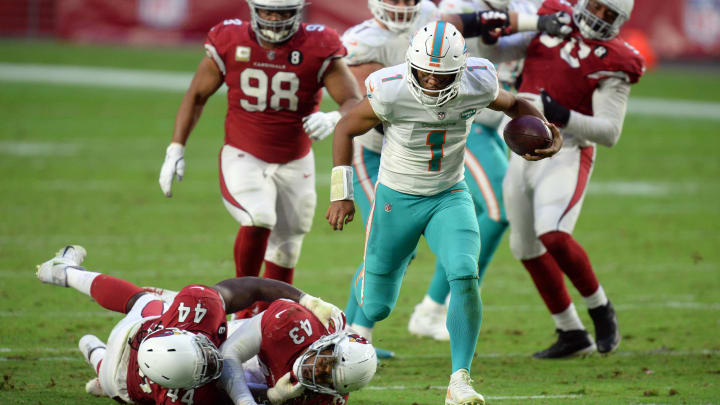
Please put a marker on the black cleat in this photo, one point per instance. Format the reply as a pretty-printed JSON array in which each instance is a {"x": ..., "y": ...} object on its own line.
[
  {"x": 607, "y": 335},
  {"x": 569, "y": 344}
]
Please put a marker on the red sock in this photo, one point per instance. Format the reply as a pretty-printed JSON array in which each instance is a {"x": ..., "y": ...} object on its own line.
[
  {"x": 113, "y": 293},
  {"x": 548, "y": 279},
  {"x": 280, "y": 273},
  {"x": 573, "y": 261},
  {"x": 250, "y": 245}
]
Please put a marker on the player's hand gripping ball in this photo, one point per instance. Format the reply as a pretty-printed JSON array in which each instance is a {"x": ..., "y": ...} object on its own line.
[{"x": 527, "y": 133}]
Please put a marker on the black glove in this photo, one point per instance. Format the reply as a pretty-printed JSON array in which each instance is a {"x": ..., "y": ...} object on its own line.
[
  {"x": 557, "y": 25},
  {"x": 491, "y": 20},
  {"x": 555, "y": 112}
]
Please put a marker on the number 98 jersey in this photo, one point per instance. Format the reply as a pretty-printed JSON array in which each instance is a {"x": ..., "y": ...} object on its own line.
[{"x": 271, "y": 90}]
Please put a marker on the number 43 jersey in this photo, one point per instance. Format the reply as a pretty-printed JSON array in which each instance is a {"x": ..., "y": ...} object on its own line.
[
  {"x": 425, "y": 147},
  {"x": 288, "y": 329},
  {"x": 271, "y": 90}
]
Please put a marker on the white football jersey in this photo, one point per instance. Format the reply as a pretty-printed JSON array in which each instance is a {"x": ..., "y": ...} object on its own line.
[
  {"x": 424, "y": 147},
  {"x": 368, "y": 42}
]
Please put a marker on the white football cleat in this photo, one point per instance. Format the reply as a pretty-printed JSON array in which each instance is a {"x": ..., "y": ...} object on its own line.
[
  {"x": 72, "y": 254},
  {"x": 53, "y": 270},
  {"x": 429, "y": 322},
  {"x": 93, "y": 387},
  {"x": 88, "y": 344},
  {"x": 460, "y": 390}
]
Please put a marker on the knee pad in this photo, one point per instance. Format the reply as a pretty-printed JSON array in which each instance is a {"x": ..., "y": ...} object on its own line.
[
  {"x": 524, "y": 248},
  {"x": 248, "y": 217},
  {"x": 375, "y": 311},
  {"x": 461, "y": 267},
  {"x": 284, "y": 251}
]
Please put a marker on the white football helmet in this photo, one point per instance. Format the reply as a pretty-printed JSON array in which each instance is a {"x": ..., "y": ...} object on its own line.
[
  {"x": 176, "y": 358},
  {"x": 395, "y": 18},
  {"x": 437, "y": 48},
  {"x": 594, "y": 27},
  {"x": 275, "y": 31},
  {"x": 355, "y": 363}
]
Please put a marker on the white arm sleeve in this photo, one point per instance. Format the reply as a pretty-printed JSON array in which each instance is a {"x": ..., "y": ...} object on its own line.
[
  {"x": 609, "y": 103},
  {"x": 238, "y": 348}
]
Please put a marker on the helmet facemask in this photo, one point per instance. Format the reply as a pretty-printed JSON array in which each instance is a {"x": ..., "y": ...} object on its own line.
[
  {"x": 351, "y": 360},
  {"x": 271, "y": 30},
  {"x": 593, "y": 27},
  {"x": 395, "y": 18}
]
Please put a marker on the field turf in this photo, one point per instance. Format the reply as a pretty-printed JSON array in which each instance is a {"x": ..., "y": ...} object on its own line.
[{"x": 79, "y": 165}]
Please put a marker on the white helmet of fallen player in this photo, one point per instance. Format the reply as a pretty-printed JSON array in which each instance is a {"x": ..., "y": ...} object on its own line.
[
  {"x": 176, "y": 358},
  {"x": 593, "y": 27},
  {"x": 276, "y": 31},
  {"x": 396, "y": 18},
  {"x": 351, "y": 356},
  {"x": 437, "y": 49}
]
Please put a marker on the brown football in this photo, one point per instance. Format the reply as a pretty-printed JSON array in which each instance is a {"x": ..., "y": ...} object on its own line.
[{"x": 526, "y": 133}]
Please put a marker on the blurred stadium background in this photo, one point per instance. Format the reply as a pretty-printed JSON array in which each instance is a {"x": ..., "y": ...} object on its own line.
[{"x": 81, "y": 147}]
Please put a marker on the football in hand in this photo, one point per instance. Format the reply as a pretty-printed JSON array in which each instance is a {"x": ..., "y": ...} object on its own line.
[{"x": 526, "y": 133}]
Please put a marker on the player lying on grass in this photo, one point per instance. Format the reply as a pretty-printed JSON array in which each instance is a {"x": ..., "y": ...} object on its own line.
[{"x": 162, "y": 352}]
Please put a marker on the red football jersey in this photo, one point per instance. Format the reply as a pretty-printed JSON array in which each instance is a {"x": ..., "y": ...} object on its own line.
[
  {"x": 570, "y": 68},
  {"x": 198, "y": 309},
  {"x": 288, "y": 329},
  {"x": 270, "y": 91}
]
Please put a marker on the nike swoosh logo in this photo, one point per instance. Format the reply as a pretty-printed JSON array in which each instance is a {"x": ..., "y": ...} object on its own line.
[{"x": 280, "y": 313}]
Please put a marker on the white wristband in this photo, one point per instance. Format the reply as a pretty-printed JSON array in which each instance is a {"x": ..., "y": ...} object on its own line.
[
  {"x": 341, "y": 183},
  {"x": 175, "y": 149},
  {"x": 527, "y": 22}
]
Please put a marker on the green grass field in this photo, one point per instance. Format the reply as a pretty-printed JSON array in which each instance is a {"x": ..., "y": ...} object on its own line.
[{"x": 79, "y": 165}]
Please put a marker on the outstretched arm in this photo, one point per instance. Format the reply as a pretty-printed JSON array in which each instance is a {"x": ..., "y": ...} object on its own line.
[{"x": 239, "y": 293}]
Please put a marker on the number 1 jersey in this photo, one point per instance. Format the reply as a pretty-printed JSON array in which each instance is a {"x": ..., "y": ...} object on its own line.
[{"x": 271, "y": 90}]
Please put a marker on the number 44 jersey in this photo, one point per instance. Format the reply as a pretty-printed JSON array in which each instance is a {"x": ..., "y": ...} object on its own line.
[
  {"x": 271, "y": 90},
  {"x": 198, "y": 309}
]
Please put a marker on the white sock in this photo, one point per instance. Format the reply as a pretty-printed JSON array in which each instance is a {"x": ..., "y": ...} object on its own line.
[
  {"x": 363, "y": 331},
  {"x": 430, "y": 304},
  {"x": 96, "y": 357},
  {"x": 568, "y": 319},
  {"x": 80, "y": 279},
  {"x": 596, "y": 299}
]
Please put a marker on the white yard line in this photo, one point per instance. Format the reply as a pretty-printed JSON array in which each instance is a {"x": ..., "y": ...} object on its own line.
[
  {"x": 178, "y": 82},
  {"x": 667, "y": 305}
]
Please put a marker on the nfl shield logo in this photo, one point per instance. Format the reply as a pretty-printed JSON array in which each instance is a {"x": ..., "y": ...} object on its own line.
[
  {"x": 271, "y": 55},
  {"x": 388, "y": 207},
  {"x": 441, "y": 115}
]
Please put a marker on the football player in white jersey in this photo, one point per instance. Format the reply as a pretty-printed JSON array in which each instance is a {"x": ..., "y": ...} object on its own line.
[
  {"x": 426, "y": 107},
  {"x": 374, "y": 44},
  {"x": 486, "y": 162}
]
